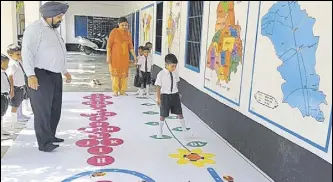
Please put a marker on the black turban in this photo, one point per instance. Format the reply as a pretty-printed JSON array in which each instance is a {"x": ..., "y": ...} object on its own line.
[{"x": 52, "y": 9}]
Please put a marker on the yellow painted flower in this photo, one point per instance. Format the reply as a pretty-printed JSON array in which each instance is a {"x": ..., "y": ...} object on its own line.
[{"x": 196, "y": 157}]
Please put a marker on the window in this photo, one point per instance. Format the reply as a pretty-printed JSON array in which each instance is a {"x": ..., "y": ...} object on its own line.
[
  {"x": 193, "y": 35},
  {"x": 81, "y": 26},
  {"x": 159, "y": 25}
]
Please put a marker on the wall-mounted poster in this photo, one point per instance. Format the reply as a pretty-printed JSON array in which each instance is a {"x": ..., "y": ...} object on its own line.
[
  {"x": 226, "y": 47},
  {"x": 146, "y": 24},
  {"x": 292, "y": 75},
  {"x": 172, "y": 25}
]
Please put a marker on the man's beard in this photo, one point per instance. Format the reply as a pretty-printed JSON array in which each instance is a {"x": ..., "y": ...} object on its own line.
[{"x": 57, "y": 25}]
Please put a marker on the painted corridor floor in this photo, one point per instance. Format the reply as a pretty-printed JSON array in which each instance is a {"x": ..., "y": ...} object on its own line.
[{"x": 110, "y": 139}]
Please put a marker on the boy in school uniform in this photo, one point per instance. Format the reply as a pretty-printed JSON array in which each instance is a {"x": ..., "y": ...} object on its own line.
[
  {"x": 17, "y": 81},
  {"x": 15, "y": 62},
  {"x": 149, "y": 45},
  {"x": 145, "y": 63},
  {"x": 168, "y": 97},
  {"x": 5, "y": 90},
  {"x": 140, "y": 53}
]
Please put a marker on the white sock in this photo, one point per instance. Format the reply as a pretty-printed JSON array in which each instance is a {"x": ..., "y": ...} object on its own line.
[
  {"x": 3, "y": 131},
  {"x": 27, "y": 104},
  {"x": 147, "y": 90},
  {"x": 14, "y": 117},
  {"x": 19, "y": 112},
  {"x": 15, "y": 123},
  {"x": 160, "y": 130},
  {"x": 182, "y": 122},
  {"x": 141, "y": 92}
]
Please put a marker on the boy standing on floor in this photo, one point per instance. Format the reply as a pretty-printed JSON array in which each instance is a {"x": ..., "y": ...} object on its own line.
[
  {"x": 145, "y": 63},
  {"x": 150, "y": 46},
  {"x": 140, "y": 53},
  {"x": 17, "y": 81},
  {"x": 5, "y": 90},
  {"x": 168, "y": 97},
  {"x": 14, "y": 52}
]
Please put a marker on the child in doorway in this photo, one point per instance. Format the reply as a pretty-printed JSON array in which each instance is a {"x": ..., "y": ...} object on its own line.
[
  {"x": 149, "y": 45},
  {"x": 140, "y": 53},
  {"x": 145, "y": 64},
  {"x": 5, "y": 90},
  {"x": 168, "y": 97},
  {"x": 17, "y": 81}
]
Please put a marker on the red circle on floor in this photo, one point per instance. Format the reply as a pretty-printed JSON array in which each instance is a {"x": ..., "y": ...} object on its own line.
[
  {"x": 99, "y": 124},
  {"x": 112, "y": 142},
  {"x": 94, "y": 98},
  {"x": 98, "y": 106},
  {"x": 110, "y": 129},
  {"x": 99, "y": 135},
  {"x": 88, "y": 130},
  {"x": 88, "y": 114},
  {"x": 97, "y": 103},
  {"x": 107, "y": 114},
  {"x": 97, "y": 96},
  {"x": 100, "y": 160},
  {"x": 102, "y": 110},
  {"x": 98, "y": 118},
  {"x": 100, "y": 150},
  {"x": 87, "y": 143}
]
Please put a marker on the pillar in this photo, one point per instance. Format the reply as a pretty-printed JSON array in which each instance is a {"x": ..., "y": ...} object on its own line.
[
  {"x": 8, "y": 24},
  {"x": 31, "y": 11}
]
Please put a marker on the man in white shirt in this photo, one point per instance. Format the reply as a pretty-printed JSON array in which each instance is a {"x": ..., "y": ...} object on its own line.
[
  {"x": 44, "y": 62},
  {"x": 5, "y": 89},
  {"x": 145, "y": 63},
  {"x": 168, "y": 97}
]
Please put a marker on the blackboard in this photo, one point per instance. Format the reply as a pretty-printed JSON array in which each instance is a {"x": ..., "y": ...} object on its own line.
[{"x": 90, "y": 26}]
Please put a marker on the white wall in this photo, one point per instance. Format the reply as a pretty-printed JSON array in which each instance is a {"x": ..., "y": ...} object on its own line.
[
  {"x": 8, "y": 24},
  {"x": 197, "y": 79},
  {"x": 31, "y": 11},
  {"x": 88, "y": 9},
  {"x": 135, "y": 5}
]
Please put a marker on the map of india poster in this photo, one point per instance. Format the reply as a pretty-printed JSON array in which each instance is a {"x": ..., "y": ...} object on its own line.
[
  {"x": 292, "y": 73},
  {"x": 225, "y": 49},
  {"x": 146, "y": 24},
  {"x": 173, "y": 27}
]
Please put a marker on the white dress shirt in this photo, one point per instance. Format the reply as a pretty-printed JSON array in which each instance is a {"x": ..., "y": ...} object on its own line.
[
  {"x": 142, "y": 63},
  {"x": 5, "y": 85},
  {"x": 43, "y": 48},
  {"x": 15, "y": 70},
  {"x": 164, "y": 81}
]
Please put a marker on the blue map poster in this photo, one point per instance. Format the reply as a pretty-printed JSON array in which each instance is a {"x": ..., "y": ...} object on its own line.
[{"x": 292, "y": 72}]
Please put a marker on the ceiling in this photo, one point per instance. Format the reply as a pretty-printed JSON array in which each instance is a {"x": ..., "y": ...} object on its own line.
[{"x": 106, "y": 3}]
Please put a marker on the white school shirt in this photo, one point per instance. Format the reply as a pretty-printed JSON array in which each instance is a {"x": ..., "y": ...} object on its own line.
[
  {"x": 43, "y": 48},
  {"x": 164, "y": 81},
  {"x": 17, "y": 72},
  {"x": 5, "y": 85},
  {"x": 142, "y": 63}
]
